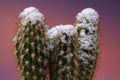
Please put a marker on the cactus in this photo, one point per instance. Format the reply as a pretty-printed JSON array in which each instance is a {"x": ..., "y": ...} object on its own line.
[
  {"x": 87, "y": 28},
  {"x": 69, "y": 52},
  {"x": 64, "y": 60},
  {"x": 31, "y": 45}
]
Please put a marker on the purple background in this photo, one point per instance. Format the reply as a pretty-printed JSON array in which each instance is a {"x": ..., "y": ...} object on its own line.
[{"x": 57, "y": 12}]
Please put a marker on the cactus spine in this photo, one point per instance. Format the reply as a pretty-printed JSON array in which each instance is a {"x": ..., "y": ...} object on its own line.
[
  {"x": 64, "y": 53},
  {"x": 31, "y": 45},
  {"x": 87, "y": 28}
]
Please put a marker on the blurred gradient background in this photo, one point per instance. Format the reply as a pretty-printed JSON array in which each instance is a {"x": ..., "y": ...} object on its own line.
[{"x": 57, "y": 12}]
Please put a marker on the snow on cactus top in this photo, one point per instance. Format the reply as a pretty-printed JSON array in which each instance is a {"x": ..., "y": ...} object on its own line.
[
  {"x": 31, "y": 14},
  {"x": 59, "y": 29},
  {"x": 87, "y": 24},
  {"x": 88, "y": 14}
]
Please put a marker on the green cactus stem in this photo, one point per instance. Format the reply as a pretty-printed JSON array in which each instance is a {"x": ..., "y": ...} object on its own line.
[
  {"x": 64, "y": 60},
  {"x": 31, "y": 45},
  {"x": 87, "y": 28}
]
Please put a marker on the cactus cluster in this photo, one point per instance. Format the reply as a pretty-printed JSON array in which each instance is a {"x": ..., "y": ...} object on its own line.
[{"x": 69, "y": 52}]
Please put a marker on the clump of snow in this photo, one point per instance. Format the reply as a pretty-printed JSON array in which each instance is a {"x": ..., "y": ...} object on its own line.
[
  {"x": 52, "y": 33},
  {"x": 88, "y": 15},
  {"x": 59, "y": 29},
  {"x": 57, "y": 33},
  {"x": 68, "y": 29},
  {"x": 31, "y": 14},
  {"x": 84, "y": 56}
]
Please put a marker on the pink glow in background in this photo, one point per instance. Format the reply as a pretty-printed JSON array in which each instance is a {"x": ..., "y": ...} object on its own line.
[{"x": 57, "y": 12}]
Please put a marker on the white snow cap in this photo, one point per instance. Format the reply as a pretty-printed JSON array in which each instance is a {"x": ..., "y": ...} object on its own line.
[
  {"x": 88, "y": 14},
  {"x": 59, "y": 29},
  {"x": 31, "y": 14}
]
